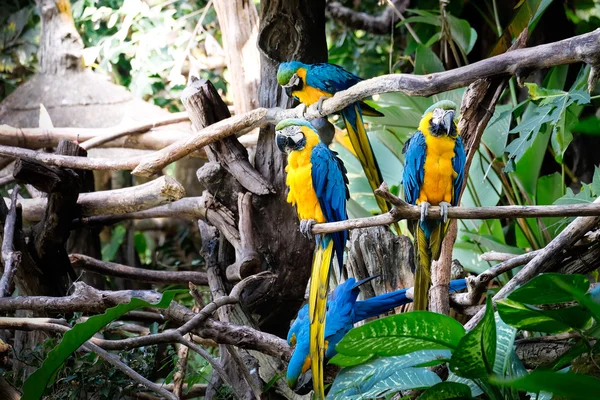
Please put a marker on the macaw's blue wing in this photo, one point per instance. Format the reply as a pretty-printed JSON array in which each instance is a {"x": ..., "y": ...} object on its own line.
[
  {"x": 458, "y": 165},
  {"x": 330, "y": 78},
  {"x": 414, "y": 166},
  {"x": 331, "y": 186}
]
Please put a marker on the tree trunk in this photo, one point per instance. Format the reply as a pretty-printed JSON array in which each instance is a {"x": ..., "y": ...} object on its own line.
[
  {"x": 60, "y": 44},
  {"x": 289, "y": 30},
  {"x": 238, "y": 20}
]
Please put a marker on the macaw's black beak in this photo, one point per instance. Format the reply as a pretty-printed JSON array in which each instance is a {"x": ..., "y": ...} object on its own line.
[
  {"x": 288, "y": 91},
  {"x": 448, "y": 121},
  {"x": 281, "y": 141}
]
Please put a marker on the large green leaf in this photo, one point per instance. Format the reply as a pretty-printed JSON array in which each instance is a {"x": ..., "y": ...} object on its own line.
[
  {"x": 523, "y": 316},
  {"x": 543, "y": 289},
  {"x": 496, "y": 133},
  {"x": 349, "y": 361},
  {"x": 386, "y": 374},
  {"x": 462, "y": 33},
  {"x": 402, "y": 334},
  {"x": 426, "y": 61},
  {"x": 476, "y": 353},
  {"x": 34, "y": 386},
  {"x": 447, "y": 391},
  {"x": 567, "y": 385},
  {"x": 505, "y": 338},
  {"x": 475, "y": 389}
]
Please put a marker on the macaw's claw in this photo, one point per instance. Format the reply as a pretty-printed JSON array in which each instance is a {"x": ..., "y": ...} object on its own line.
[
  {"x": 320, "y": 103},
  {"x": 424, "y": 210},
  {"x": 444, "y": 210},
  {"x": 306, "y": 226},
  {"x": 303, "y": 108}
]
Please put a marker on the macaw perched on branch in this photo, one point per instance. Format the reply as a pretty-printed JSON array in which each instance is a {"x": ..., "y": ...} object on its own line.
[
  {"x": 434, "y": 169},
  {"x": 343, "y": 311},
  {"x": 312, "y": 83},
  {"x": 318, "y": 187}
]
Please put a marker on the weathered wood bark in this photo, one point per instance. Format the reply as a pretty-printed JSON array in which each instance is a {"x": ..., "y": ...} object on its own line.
[
  {"x": 377, "y": 251},
  {"x": 289, "y": 30},
  {"x": 238, "y": 20},
  {"x": 205, "y": 107},
  {"x": 60, "y": 44}
]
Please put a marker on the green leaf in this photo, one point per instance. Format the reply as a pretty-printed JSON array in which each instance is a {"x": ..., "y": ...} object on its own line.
[
  {"x": 569, "y": 385},
  {"x": 426, "y": 61},
  {"x": 586, "y": 300},
  {"x": 476, "y": 353},
  {"x": 496, "y": 133},
  {"x": 109, "y": 250},
  {"x": 595, "y": 186},
  {"x": 447, "y": 391},
  {"x": 529, "y": 318},
  {"x": 543, "y": 289},
  {"x": 349, "y": 361},
  {"x": 587, "y": 126},
  {"x": 402, "y": 334},
  {"x": 475, "y": 389},
  {"x": 538, "y": 93},
  {"x": 505, "y": 338},
  {"x": 34, "y": 386},
  {"x": 386, "y": 374},
  {"x": 462, "y": 33}
]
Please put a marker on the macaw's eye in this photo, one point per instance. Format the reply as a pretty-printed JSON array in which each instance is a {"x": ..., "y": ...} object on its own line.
[{"x": 293, "y": 340}]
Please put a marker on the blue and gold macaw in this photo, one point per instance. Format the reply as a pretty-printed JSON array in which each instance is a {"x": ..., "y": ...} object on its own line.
[
  {"x": 318, "y": 188},
  {"x": 312, "y": 83},
  {"x": 434, "y": 169},
  {"x": 343, "y": 311}
]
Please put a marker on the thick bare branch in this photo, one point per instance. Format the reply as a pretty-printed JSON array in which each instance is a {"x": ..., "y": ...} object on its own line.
[
  {"x": 247, "y": 259},
  {"x": 120, "y": 201},
  {"x": 138, "y": 274},
  {"x": 582, "y": 48}
]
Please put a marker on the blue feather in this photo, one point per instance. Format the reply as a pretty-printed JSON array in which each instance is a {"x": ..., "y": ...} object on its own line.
[
  {"x": 458, "y": 165},
  {"x": 331, "y": 187}
]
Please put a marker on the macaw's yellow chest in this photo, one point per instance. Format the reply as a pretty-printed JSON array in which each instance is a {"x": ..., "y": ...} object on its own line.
[
  {"x": 301, "y": 193},
  {"x": 308, "y": 95},
  {"x": 438, "y": 173}
]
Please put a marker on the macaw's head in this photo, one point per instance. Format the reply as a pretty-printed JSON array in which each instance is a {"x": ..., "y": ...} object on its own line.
[
  {"x": 290, "y": 134},
  {"x": 288, "y": 78},
  {"x": 442, "y": 118}
]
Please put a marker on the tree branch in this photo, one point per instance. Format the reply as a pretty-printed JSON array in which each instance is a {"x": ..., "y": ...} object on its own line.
[
  {"x": 87, "y": 299},
  {"x": 138, "y": 274},
  {"x": 10, "y": 257},
  {"x": 582, "y": 48},
  {"x": 120, "y": 201},
  {"x": 381, "y": 24},
  {"x": 540, "y": 262}
]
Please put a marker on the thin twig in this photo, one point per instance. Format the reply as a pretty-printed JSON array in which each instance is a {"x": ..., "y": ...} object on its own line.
[
  {"x": 408, "y": 27},
  {"x": 117, "y": 363},
  {"x": 137, "y": 128},
  {"x": 139, "y": 274}
]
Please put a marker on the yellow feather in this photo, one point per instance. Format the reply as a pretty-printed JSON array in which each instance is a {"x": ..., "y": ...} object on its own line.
[
  {"x": 317, "y": 301},
  {"x": 364, "y": 153},
  {"x": 299, "y": 180},
  {"x": 308, "y": 95}
]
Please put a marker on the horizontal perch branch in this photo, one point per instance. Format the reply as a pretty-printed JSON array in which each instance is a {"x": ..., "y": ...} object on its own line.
[
  {"x": 119, "y": 201},
  {"x": 403, "y": 210},
  {"x": 139, "y": 274}
]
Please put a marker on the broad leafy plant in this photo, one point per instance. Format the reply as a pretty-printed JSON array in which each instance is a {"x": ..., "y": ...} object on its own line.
[{"x": 392, "y": 354}]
